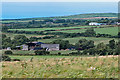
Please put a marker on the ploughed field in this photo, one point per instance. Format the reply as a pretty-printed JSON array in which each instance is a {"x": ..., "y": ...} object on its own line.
[{"x": 61, "y": 67}]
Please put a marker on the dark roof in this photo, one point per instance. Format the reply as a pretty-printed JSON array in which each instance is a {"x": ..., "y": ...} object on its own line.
[
  {"x": 39, "y": 43},
  {"x": 38, "y": 48},
  {"x": 33, "y": 44}
]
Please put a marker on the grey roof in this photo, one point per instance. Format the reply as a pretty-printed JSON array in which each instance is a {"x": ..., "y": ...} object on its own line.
[{"x": 50, "y": 45}]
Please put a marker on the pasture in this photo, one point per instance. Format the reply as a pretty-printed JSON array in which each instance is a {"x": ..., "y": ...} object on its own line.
[
  {"x": 108, "y": 30},
  {"x": 76, "y": 29},
  {"x": 32, "y": 52},
  {"x": 56, "y": 28},
  {"x": 62, "y": 67},
  {"x": 76, "y": 39},
  {"x": 12, "y": 35}
]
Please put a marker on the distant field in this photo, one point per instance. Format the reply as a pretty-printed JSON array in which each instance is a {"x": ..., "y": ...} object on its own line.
[
  {"x": 111, "y": 30},
  {"x": 62, "y": 67},
  {"x": 76, "y": 39},
  {"x": 108, "y": 30},
  {"x": 32, "y": 52},
  {"x": 56, "y": 28},
  {"x": 27, "y": 35}
]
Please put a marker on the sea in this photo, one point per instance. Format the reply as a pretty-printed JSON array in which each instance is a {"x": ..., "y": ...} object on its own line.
[{"x": 19, "y": 10}]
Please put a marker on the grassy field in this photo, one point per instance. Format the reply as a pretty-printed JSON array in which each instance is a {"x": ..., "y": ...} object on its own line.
[
  {"x": 76, "y": 39},
  {"x": 108, "y": 30},
  {"x": 56, "y": 28},
  {"x": 27, "y": 35},
  {"x": 111, "y": 30},
  {"x": 62, "y": 67},
  {"x": 32, "y": 52}
]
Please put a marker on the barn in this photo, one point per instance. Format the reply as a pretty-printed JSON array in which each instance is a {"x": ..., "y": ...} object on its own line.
[
  {"x": 94, "y": 24},
  {"x": 50, "y": 47},
  {"x": 39, "y": 46}
]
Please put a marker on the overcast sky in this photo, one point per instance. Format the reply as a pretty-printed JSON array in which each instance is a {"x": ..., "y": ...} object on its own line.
[{"x": 60, "y": 0}]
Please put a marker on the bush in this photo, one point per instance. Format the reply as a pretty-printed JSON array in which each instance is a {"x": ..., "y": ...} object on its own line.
[
  {"x": 8, "y": 52},
  {"x": 15, "y": 59},
  {"x": 59, "y": 53},
  {"x": 75, "y": 53},
  {"x": 41, "y": 52},
  {"x": 5, "y": 58}
]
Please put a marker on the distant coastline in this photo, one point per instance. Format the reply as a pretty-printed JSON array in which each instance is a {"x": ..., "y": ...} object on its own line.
[
  {"x": 22, "y": 10},
  {"x": 78, "y": 16}
]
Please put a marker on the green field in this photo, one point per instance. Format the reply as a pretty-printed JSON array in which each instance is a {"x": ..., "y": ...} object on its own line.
[
  {"x": 32, "y": 52},
  {"x": 12, "y": 35},
  {"x": 61, "y": 67},
  {"x": 76, "y": 39},
  {"x": 56, "y": 28},
  {"x": 111, "y": 30},
  {"x": 107, "y": 30}
]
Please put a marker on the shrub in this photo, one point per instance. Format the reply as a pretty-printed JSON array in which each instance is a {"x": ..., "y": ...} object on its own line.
[
  {"x": 15, "y": 59},
  {"x": 75, "y": 53},
  {"x": 8, "y": 52},
  {"x": 41, "y": 52},
  {"x": 59, "y": 53},
  {"x": 5, "y": 58}
]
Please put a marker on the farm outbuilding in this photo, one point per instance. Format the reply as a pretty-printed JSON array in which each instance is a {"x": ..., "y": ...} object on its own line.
[
  {"x": 50, "y": 47},
  {"x": 94, "y": 24},
  {"x": 39, "y": 46}
]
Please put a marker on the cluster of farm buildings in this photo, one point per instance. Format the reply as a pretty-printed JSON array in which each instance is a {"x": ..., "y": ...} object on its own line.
[
  {"x": 37, "y": 46},
  {"x": 98, "y": 24}
]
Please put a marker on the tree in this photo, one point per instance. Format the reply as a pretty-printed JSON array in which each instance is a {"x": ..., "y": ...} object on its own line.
[
  {"x": 112, "y": 44},
  {"x": 64, "y": 44},
  {"x": 19, "y": 40},
  {"x": 8, "y": 52},
  {"x": 90, "y": 32},
  {"x": 84, "y": 44},
  {"x": 101, "y": 49}
]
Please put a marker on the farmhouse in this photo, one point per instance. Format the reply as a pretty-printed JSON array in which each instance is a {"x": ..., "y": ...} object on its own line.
[{"x": 39, "y": 46}]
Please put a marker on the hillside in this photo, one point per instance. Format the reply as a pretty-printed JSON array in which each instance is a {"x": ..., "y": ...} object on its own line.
[{"x": 91, "y": 15}]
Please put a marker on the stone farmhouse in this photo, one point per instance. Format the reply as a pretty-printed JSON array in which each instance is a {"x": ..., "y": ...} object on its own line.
[{"x": 39, "y": 46}]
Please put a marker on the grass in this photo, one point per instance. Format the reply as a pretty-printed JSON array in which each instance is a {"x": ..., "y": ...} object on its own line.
[
  {"x": 76, "y": 39},
  {"x": 109, "y": 30},
  {"x": 27, "y": 35},
  {"x": 62, "y": 67},
  {"x": 32, "y": 52},
  {"x": 56, "y": 28}
]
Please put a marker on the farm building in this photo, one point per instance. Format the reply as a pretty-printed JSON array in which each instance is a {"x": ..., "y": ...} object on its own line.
[
  {"x": 39, "y": 46},
  {"x": 24, "y": 47},
  {"x": 50, "y": 47},
  {"x": 96, "y": 24},
  {"x": 34, "y": 45}
]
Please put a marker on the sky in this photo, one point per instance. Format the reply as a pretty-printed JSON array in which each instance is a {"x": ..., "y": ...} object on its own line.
[{"x": 60, "y": 0}]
